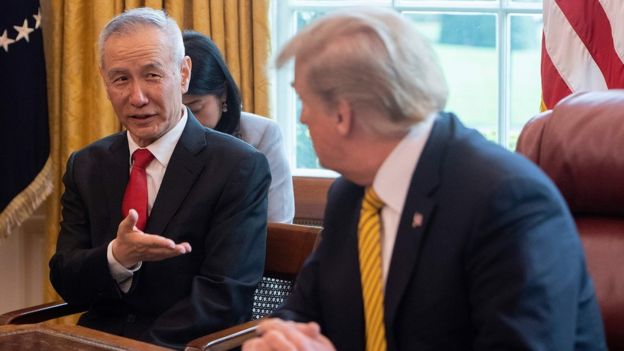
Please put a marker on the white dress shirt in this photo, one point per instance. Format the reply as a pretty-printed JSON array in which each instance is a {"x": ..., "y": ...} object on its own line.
[
  {"x": 392, "y": 183},
  {"x": 162, "y": 149}
]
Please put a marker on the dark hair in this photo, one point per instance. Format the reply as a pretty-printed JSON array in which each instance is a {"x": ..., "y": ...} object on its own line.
[{"x": 210, "y": 76}]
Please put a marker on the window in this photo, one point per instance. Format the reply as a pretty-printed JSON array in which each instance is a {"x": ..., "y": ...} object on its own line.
[{"x": 489, "y": 51}]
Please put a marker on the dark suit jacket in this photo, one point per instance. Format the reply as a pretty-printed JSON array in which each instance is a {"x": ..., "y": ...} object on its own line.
[
  {"x": 213, "y": 195},
  {"x": 496, "y": 264}
]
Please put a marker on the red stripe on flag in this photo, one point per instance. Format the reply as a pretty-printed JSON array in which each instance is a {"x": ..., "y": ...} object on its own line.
[
  {"x": 554, "y": 88},
  {"x": 591, "y": 24}
]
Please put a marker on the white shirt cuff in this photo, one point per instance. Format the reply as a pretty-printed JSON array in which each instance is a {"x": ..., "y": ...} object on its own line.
[{"x": 121, "y": 274}]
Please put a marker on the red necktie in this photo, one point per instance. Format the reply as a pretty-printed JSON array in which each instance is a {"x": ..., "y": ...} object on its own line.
[{"x": 136, "y": 190}]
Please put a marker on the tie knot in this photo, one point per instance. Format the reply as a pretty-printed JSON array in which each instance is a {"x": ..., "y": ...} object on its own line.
[
  {"x": 372, "y": 200},
  {"x": 141, "y": 158}
]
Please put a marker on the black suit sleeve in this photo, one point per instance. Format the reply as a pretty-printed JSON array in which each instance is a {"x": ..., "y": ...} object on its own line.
[
  {"x": 526, "y": 271},
  {"x": 304, "y": 303},
  {"x": 77, "y": 258},
  {"x": 221, "y": 293}
]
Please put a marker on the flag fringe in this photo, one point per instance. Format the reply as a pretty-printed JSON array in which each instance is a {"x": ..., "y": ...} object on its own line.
[{"x": 26, "y": 202}]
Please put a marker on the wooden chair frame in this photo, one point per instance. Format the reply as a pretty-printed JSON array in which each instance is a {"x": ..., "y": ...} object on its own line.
[{"x": 310, "y": 199}]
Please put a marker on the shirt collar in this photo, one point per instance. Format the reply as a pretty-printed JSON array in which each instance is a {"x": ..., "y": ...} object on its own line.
[
  {"x": 393, "y": 178},
  {"x": 163, "y": 147}
]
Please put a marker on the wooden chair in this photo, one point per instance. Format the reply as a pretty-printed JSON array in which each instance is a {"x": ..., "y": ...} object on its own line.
[
  {"x": 310, "y": 199},
  {"x": 288, "y": 245},
  {"x": 40, "y": 313}
]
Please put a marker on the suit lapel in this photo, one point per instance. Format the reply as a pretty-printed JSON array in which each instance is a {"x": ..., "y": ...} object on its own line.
[
  {"x": 339, "y": 246},
  {"x": 184, "y": 167},
  {"x": 115, "y": 172},
  {"x": 417, "y": 213},
  {"x": 353, "y": 300}
]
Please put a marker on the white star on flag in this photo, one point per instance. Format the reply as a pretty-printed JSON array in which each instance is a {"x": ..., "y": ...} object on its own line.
[
  {"x": 37, "y": 18},
  {"x": 5, "y": 41},
  {"x": 23, "y": 31}
]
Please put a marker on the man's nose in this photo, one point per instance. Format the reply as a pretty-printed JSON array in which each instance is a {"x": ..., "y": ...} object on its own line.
[
  {"x": 304, "y": 119},
  {"x": 137, "y": 95},
  {"x": 302, "y": 115}
]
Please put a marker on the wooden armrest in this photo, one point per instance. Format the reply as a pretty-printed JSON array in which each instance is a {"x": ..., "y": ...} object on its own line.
[
  {"x": 56, "y": 337},
  {"x": 225, "y": 339},
  {"x": 40, "y": 313}
]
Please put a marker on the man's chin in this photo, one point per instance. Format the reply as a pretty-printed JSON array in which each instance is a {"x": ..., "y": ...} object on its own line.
[{"x": 143, "y": 136}]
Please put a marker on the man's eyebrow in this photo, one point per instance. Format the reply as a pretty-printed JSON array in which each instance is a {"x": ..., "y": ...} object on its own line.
[
  {"x": 115, "y": 71},
  {"x": 150, "y": 65}
]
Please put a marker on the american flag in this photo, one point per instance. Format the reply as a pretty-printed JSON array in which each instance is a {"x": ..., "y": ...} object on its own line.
[
  {"x": 582, "y": 47},
  {"x": 25, "y": 168}
]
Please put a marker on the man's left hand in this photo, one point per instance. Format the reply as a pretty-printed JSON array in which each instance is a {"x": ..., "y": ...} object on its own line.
[{"x": 276, "y": 334}]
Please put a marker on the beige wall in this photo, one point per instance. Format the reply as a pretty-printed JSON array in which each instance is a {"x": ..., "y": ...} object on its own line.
[{"x": 22, "y": 264}]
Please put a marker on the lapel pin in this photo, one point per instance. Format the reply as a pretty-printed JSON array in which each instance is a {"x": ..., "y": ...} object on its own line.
[{"x": 417, "y": 220}]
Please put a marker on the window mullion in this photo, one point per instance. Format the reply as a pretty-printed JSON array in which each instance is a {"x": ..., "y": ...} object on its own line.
[
  {"x": 503, "y": 75},
  {"x": 283, "y": 97}
]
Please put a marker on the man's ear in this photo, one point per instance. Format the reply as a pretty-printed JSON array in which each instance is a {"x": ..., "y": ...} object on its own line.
[
  {"x": 185, "y": 72},
  {"x": 344, "y": 121}
]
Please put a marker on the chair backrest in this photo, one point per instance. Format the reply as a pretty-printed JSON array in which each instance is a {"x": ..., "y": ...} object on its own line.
[
  {"x": 288, "y": 245},
  {"x": 310, "y": 199},
  {"x": 580, "y": 145}
]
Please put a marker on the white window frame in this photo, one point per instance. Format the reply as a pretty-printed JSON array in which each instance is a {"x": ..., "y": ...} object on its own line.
[{"x": 283, "y": 27}]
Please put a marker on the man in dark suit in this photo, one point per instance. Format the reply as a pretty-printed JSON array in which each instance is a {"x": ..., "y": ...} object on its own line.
[
  {"x": 203, "y": 190},
  {"x": 474, "y": 247}
]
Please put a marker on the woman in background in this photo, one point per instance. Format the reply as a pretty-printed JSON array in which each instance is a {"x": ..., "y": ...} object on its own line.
[{"x": 214, "y": 99}]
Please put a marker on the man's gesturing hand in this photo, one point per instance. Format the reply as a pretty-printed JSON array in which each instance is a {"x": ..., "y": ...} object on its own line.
[
  {"x": 133, "y": 246},
  {"x": 276, "y": 334}
]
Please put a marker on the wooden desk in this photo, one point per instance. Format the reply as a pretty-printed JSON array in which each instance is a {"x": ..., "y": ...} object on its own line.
[{"x": 52, "y": 337}]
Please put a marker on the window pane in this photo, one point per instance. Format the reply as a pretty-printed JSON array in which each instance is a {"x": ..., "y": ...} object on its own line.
[
  {"x": 306, "y": 17},
  {"x": 466, "y": 3},
  {"x": 526, "y": 31},
  {"x": 306, "y": 157},
  {"x": 466, "y": 47},
  {"x": 339, "y": 3}
]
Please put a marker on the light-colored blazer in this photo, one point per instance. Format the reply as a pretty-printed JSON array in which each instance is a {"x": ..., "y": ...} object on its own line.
[{"x": 264, "y": 134}]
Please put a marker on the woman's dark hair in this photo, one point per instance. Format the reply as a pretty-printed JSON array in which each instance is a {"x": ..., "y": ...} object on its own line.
[{"x": 210, "y": 76}]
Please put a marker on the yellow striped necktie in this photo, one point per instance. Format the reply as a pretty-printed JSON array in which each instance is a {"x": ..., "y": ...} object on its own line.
[{"x": 369, "y": 248}]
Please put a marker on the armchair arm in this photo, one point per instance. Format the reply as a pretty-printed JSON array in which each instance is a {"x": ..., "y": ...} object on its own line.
[
  {"x": 225, "y": 339},
  {"x": 40, "y": 313}
]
